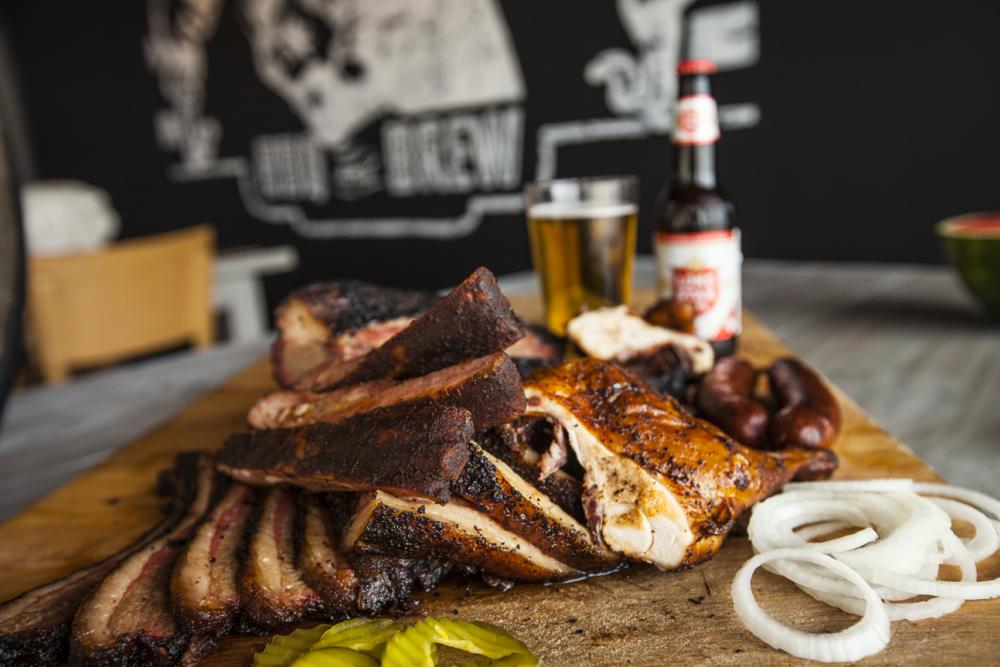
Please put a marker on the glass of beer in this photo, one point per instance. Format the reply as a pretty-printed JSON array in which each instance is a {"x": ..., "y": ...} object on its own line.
[{"x": 582, "y": 243}]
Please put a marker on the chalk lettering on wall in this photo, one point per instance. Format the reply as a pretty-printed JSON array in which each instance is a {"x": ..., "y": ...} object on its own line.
[{"x": 414, "y": 100}]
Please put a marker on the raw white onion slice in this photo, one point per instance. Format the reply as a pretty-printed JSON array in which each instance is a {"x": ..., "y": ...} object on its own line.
[
  {"x": 899, "y": 541},
  {"x": 866, "y": 637}
]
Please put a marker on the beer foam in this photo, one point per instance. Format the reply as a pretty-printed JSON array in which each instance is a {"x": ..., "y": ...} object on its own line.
[{"x": 559, "y": 210}]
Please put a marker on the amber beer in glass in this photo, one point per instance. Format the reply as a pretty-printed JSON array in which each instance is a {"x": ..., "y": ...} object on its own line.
[{"x": 582, "y": 243}]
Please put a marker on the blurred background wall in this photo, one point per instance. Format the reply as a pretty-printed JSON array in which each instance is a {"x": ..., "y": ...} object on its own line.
[{"x": 389, "y": 140}]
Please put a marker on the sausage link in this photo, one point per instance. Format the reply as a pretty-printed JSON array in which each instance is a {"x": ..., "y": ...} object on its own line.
[
  {"x": 808, "y": 414},
  {"x": 725, "y": 398}
]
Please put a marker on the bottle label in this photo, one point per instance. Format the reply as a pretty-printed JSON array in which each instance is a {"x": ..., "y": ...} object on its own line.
[
  {"x": 697, "y": 120},
  {"x": 703, "y": 269}
]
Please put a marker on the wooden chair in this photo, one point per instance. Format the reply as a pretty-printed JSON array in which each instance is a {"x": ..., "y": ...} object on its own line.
[{"x": 133, "y": 298}]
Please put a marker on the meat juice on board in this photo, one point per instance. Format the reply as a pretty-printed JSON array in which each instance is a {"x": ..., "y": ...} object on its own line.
[{"x": 696, "y": 242}]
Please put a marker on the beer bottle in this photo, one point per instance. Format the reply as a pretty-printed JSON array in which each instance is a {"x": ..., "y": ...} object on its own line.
[{"x": 697, "y": 245}]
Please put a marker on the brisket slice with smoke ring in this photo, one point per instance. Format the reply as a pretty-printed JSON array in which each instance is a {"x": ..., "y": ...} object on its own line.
[
  {"x": 34, "y": 626},
  {"x": 127, "y": 619},
  {"x": 339, "y": 320},
  {"x": 387, "y": 525},
  {"x": 271, "y": 586},
  {"x": 204, "y": 586},
  {"x": 473, "y": 320},
  {"x": 488, "y": 387},
  {"x": 411, "y": 451}
]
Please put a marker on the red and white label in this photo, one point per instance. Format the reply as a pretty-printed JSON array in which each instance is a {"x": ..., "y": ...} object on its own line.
[
  {"x": 697, "y": 120},
  {"x": 703, "y": 269}
]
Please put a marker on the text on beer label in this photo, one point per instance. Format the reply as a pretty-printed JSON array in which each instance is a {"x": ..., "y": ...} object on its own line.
[{"x": 697, "y": 120}]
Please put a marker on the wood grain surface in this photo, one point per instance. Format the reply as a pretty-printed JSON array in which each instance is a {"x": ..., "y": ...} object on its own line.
[{"x": 637, "y": 617}]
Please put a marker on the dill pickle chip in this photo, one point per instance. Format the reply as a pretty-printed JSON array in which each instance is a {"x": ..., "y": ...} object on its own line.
[
  {"x": 335, "y": 657},
  {"x": 283, "y": 650},
  {"x": 368, "y": 635},
  {"x": 415, "y": 646}
]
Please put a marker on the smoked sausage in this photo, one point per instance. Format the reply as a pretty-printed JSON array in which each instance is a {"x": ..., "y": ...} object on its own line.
[
  {"x": 725, "y": 398},
  {"x": 808, "y": 414}
]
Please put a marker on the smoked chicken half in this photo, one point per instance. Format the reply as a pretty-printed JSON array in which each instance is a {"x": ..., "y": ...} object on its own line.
[{"x": 659, "y": 485}]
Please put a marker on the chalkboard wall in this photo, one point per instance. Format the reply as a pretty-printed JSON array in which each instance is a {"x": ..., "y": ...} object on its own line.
[{"x": 389, "y": 140}]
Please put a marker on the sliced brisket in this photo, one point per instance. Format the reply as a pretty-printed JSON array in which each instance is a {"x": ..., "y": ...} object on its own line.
[
  {"x": 488, "y": 387},
  {"x": 408, "y": 450},
  {"x": 271, "y": 585},
  {"x": 204, "y": 586},
  {"x": 338, "y": 321},
  {"x": 127, "y": 619},
  {"x": 473, "y": 320},
  {"x": 34, "y": 627}
]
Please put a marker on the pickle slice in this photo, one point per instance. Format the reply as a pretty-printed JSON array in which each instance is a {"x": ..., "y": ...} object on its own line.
[
  {"x": 359, "y": 634},
  {"x": 416, "y": 646},
  {"x": 335, "y": 657},
  {"x": 283, "y": 650}
]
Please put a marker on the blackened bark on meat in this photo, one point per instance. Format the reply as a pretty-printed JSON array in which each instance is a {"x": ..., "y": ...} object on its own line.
[
  {"x": 386, "y": 583},
  {"x": 489, "y": 388},
  {"x": 473, "y": 320},
  {"x": 271, "y": 586},
  {"x": 493, "y": 488},
  {"x": 538, "y": 349},
  {"x": 204, "y": 587},
  {"x": 338, "y": 320},
  {"x": 34, "y": 626},
  {"x": 127, "y": 618},
  {"x": 666, "y": 369},
  {"x": 561, "y": 488},
  {"x": 412, "y": 451},
  {"x": 386, "y": 525}
]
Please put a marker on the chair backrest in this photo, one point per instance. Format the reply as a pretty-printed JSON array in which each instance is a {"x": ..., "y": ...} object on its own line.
[{"x": 135, "y": 297}]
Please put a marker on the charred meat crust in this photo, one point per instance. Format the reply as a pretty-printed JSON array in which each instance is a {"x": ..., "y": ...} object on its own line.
[
  {"x": 561, "y": 488},
  {"x": 127, "y": 618},
  {"x": 413, "y": 451},
  {"x": 321, "y": 560},
  {"x": 204, "y": 587},
  {"x": 271, "y": 586},
  {"x": 315, "y": 322},
  {"x": 386, "y": 525},
  {"x": 488, "y": 387},
  {"x": 494, "y": 489},
  {"x": 35, "y": 626},
  {"x": 473, "y": 320}
]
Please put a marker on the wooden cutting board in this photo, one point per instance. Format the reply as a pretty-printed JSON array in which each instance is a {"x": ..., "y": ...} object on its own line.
[{"x": 637, "y": 617}]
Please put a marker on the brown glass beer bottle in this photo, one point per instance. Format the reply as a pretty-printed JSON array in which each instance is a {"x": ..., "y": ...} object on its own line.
[{"x": 697, "y": 244}]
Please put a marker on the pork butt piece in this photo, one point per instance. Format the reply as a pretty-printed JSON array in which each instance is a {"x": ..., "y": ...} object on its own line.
[
  {"x": 337, "y": 322},
  {"x": 204, "y": 586},
  {"x": 413, "y": 451},
  {"x": 490, "y": 486},
  {"x": 386, "y": 525},
  {"x": 473, "y": 320},
  {"x": 271, "y": 586},
  {"x": 659, "y": 485},
  {"x": 355, "y": 583},
  {"x": 127, "y": 618},
  {"x": 488, "y": 387},
  {"x": 34, "y": 626}
]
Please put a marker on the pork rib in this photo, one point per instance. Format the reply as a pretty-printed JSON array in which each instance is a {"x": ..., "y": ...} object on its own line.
[
  {"x": 204, "y": 586},
  {"x": 488, "y": 387},
  {"x": 127, "y": 619},
  {"x": 34, "y": 627},
  {"x": 660, "y": 485},
  {"x": 493, "y": 488},
  {"x": 271, "y": 586},
  {"x": 411, "y": 451},
  {"x": 385, "y": 524},
  {"x": 338, "y": 321},
  {"x": 473, "y": 320}
]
